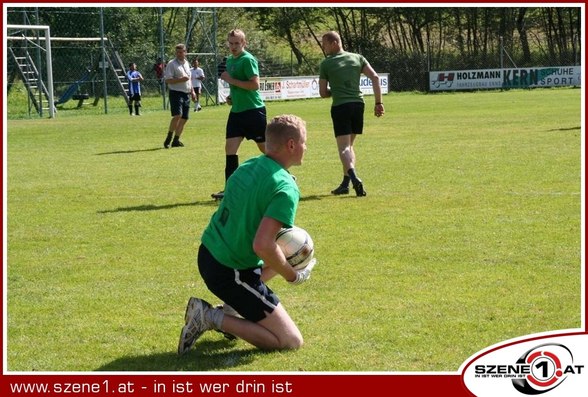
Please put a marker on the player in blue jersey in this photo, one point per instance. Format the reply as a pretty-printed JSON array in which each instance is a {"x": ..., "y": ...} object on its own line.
[{"x": 134, "y": 77}]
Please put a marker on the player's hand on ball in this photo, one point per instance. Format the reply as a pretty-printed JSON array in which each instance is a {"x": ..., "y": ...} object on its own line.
[{"x": 304, "y": 274}]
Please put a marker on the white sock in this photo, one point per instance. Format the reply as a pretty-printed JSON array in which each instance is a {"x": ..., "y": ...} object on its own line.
[{"x": 216, "y": 317}]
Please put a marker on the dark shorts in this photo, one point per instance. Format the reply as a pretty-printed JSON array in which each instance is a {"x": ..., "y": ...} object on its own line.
[
  {"x": 348, "y": 118},
  {"x": 242, "y": 289},
  {"x": 179, "y": 103},
  {"x": 249, "y": 124},
  {"x": 135, "y": 97}
]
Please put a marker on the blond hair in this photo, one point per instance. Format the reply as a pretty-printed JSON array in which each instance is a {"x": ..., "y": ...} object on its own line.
[
  {"x": 237, "y": 33},
  {"x": 281, "y": 129}
]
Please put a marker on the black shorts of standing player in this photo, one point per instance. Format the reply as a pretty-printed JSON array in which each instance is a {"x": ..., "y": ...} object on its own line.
[
  {"x": 136, "y": 100},
  {"x": 179, "y": 103},
  {"x": 242, "y": 289},
  {"x": 249, "y": 124},
  {"x": 348, "y": 118}
]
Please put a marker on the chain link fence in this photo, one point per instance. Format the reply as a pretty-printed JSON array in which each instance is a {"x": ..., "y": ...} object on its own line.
[
  {"x": 90, "y": 64},
  {"x": 83, "y": 39}
]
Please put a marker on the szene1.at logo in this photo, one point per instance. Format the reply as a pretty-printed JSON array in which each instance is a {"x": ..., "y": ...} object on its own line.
[{"x": 537, "y": 371}]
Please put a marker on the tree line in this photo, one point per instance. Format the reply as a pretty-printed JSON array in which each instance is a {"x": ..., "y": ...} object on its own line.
[{"x": 404, "y": 41}]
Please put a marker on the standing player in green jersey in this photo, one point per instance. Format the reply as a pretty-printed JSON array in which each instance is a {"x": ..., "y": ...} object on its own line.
[
  {"x": 238, "y": 253},
  {"x": 339, "y": 76},
  {"x": 247, "y": 118}
]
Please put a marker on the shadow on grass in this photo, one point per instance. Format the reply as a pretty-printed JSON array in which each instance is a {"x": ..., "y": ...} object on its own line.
[
  {"x": 204, "y": 356},
  {"x": 130, "y": 151},
  {"x": 565, "y": 129},
  {"x": 315, "y": 197},
  {"x": 209, "y": 203},
  {"x": 152, "y": 207}
]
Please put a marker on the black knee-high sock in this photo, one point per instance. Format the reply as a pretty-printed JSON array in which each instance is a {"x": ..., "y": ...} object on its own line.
[
  {"x": 352, "y": 176},
  {"x": 345, "y": 181},
  {"x": 232, "y": 163}
]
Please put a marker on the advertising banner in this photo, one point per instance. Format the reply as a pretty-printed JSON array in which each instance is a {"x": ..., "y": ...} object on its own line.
[
  {"x": 285, "y": 88},
  {"x": 556, "y": 76}
]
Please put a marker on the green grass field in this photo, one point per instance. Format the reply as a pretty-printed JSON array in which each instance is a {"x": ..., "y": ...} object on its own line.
[{"x": 470, "y": 235}]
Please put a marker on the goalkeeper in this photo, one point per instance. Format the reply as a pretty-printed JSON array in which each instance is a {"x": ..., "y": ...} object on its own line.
[{"x": 238, "y": 252}]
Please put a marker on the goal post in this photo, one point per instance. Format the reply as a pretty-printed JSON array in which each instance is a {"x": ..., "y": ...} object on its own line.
[{"x": 49, "y": 60}]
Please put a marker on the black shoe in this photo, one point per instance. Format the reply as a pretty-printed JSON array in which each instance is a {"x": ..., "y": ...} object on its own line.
[
  {"x": 358, "y": 187},
  {"x": 167, "y": 142},
  {"x": 218, "y": 196},
  {"x": 177, "y": 144},
  {"x": 226, "y": 335},
  {"x": 340, "y": 190}
]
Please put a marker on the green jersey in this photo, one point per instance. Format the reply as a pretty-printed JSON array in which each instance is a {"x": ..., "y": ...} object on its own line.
[
  {"x": 243, "y": 68},
  {"x": 343, "y": 71},
  {"x": 259, "y": 188}
]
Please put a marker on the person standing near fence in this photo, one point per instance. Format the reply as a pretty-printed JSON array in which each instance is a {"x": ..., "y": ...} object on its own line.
[
  {"x": 197, "y": 75},
  {"x": 339, "y": 75},
  {"x": 178, "y": 79},
  {"x": 158, "y": 68},
  {"x": 134, "y": 77},
  {"x": 247, "y": 118}
]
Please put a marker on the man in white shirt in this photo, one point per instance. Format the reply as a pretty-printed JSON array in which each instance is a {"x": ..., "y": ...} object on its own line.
[
  {"x": 197, "y": 78},
  {"x": 178, "y": 78}
]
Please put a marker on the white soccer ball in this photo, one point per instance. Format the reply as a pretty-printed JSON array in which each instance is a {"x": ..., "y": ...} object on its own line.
[{"x": 297, "y": 246}]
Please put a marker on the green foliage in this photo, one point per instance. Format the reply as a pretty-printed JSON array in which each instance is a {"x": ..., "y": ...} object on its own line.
[
  {"x": 404, "y": 41},
  {"x": 470, "y": 235}
]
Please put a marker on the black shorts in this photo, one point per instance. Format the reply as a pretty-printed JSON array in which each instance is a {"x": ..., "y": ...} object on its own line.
[
  {"x": 135, "y": 97},
  {"x": 241, "y": 289},
  {"x": 348, "y": 118},
  {"x": 179, "y": 103},
  {"x": 249, "y": 124}
]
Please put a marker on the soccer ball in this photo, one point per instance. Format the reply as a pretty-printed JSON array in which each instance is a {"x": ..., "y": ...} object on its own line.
[{"x": 297, "y": 246}]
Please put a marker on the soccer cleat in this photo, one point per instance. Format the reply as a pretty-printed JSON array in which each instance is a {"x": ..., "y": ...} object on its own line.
[
  {"x": 340, "y": 190},
  {"x": 196, "y": 323},
  {"x": 167, "y": 142},
  {"x": 218, "y": 196},
  {"x": 231, "y": 312},
  {"x": 359, "y": 191},
  {"x": 177, "y": 143}
]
